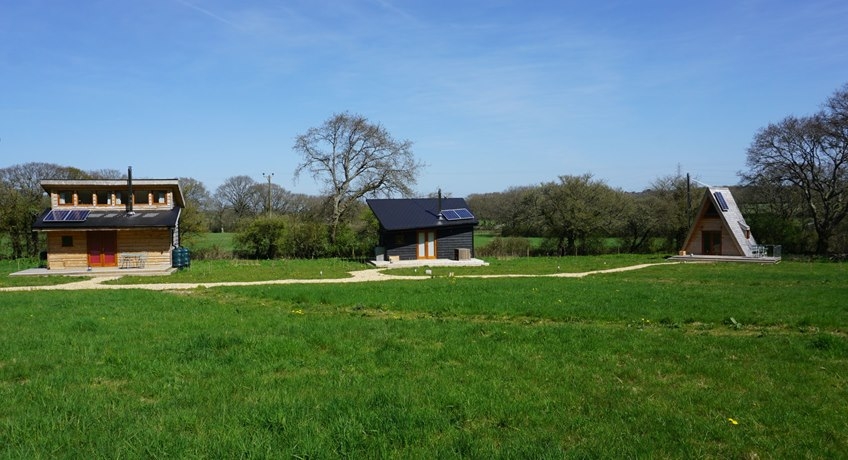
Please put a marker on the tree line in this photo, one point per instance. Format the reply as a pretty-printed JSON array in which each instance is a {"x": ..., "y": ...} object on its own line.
[{"x": 794, "y": 193}]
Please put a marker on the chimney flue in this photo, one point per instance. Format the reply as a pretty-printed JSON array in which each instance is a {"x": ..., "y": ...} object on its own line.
[{"x": 130, "y": 197}]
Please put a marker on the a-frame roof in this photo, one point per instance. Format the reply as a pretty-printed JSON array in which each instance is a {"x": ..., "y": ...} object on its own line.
[
  {"x": 731, "y": 219},
  {"x": 412, "y": 213}
]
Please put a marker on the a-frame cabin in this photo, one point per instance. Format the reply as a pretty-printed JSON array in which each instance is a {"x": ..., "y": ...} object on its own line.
[{"x": 719, "y": 231}]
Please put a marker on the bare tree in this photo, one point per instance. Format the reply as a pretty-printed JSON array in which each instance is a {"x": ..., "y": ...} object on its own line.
[
  {"x": 355, "y": 158},
  {"x": 239, "y": 194},
  {"x": 809, "y": 154},
  {"x": 235, "y": 200}
]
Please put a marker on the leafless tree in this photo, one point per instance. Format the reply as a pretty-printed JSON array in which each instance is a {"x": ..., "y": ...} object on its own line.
[
  {"x": 809, "y": 154},
  {"x": 355, "y": 158}
]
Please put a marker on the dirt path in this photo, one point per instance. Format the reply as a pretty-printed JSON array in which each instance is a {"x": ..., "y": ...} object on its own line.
[{"x": 359, "y": 276}]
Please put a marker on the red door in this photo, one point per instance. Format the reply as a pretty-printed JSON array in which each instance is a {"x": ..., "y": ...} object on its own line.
[{"x": 102, "y": 249}]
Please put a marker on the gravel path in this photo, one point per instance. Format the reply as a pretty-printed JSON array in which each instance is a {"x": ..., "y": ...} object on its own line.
[{"x": 359, "y": 276}]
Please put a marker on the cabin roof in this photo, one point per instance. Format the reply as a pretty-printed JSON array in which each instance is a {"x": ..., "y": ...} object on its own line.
[
  {"x": 111, "y": 219},
  {"x": 412, "y": 213}
]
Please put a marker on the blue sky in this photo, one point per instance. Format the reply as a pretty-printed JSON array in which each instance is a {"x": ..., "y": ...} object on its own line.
[{"x": 493, "y": 93}]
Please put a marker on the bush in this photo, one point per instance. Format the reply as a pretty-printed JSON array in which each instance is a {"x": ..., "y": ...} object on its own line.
[
  {"x": 213, "y": 252},
  {"x": 281, "y": 237},
  {"x": 512, "y": 246}
]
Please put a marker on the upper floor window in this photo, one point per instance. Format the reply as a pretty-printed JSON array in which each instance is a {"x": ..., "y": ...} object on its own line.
[
  {"x": 85, "y": 198},
  {"x": 66, "y": 198},
  {"x": 160, "y": 197},
  {"x": 103, "y": 198},
  {"x": 141, "y": 197}
]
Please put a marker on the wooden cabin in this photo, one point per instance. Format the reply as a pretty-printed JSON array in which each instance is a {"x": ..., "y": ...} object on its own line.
[
  {"x": 424, "y": 228},
  {"x": 111, "y": 223},
  {"x": 719, "y": 229}
]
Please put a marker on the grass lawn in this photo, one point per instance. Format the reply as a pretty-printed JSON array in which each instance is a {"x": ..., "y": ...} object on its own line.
[
  {"x": 537, "y": 265},
  {"x": 645, "y": 363},
  {"x": 12, "y": 266},
  {"x": 223, "y": 241},
  {"x": 209, "y": 271}
]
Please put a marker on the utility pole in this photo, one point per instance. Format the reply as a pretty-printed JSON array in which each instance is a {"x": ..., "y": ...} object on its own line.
[
  {"x": 269, "y": 176},
  {"x": 689, "y": 200}
]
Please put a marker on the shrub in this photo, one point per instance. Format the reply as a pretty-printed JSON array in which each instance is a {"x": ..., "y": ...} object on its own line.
[
  {"x": 512, "y": 246},
  {"x": 282, "y": 237}
]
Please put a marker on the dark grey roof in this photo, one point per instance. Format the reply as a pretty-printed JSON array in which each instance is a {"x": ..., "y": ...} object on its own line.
[
  {"x": 410, "y": 213},
  {"x": 166, "y": 218}
]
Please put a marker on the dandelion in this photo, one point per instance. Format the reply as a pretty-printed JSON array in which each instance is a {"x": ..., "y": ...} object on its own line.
[
  {"x": 297, "y": 312},
  {"x": 733, "y": 421}
]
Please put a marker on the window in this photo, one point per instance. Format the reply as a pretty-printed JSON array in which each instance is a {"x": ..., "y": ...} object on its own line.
[
  {"x": 85, "y": 198},
  {"x": 66, "y": 198},
  {"x": 160, "y": 197},
  {"x": 404, "y": 238},
  {"x": 103, "y": 198},
  {"x": 119, "y": 198},
  {"x": 141, "y": 197},
  {"x": 67, "y": 241}
]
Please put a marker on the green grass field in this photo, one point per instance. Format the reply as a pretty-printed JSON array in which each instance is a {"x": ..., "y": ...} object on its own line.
[{"x": 682, "y": 361}]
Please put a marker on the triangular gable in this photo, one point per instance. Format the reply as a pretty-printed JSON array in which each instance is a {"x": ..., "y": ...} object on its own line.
[{"x": 721, "y": 200}]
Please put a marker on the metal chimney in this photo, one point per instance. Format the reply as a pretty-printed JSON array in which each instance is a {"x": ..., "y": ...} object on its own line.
[
  {"x": 441, "y": 217},
  {"x": 130, "y": 197}
]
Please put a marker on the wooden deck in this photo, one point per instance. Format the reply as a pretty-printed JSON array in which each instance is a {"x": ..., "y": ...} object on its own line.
[
  {"x": 706, "y": 259},
  {"x": 429, "y": 263}
]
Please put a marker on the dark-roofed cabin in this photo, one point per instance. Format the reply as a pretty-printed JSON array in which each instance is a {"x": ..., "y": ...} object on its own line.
[
  {"x": 424, "y": 228},
  {"x": 100, "y": 223}
]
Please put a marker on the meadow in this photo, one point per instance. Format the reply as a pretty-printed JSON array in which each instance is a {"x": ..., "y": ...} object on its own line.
[{"x": 675, "y": 360}]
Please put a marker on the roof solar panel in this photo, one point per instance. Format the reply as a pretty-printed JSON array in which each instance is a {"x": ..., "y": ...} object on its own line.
[
  {"x": 77, "y": 215},
  {"x": 450, "y": 214},
  {"x": 464, "y": 213},
  {"x": 67, "y": 215},
  {"x": 721, "y": 202},
  {"x": 56, "y": 216},
  {"x": 457, "y": 214}
]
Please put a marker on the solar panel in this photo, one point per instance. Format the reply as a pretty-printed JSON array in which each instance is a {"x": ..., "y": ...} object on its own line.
[
  {"x": 56, "y": 216},
  {"x": 457, "y": 214},
  {"x": 65, "y": 215},
  {"x": 450, "y": 214},
  {"x": 464, "y": 213},
  {"x": 721, "y": 203},
  {"x": 77, "y": 215}
]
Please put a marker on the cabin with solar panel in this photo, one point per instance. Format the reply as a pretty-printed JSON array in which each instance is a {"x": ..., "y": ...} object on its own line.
[
  {"x": 112, "y": 224},
  {"x": 719, "y": 233},
  {"x": 425, "y": 230}
]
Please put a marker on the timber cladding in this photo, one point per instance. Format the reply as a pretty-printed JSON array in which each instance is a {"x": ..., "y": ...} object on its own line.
[
  {"x": 69, "y": 249},
  {"x": 66, "y": 250},
  {"x": 154, "y": 243}
]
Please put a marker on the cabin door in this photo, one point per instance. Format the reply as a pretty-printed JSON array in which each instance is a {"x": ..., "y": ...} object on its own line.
[
  {"x": 427, "y": 244},
  {"x": 711, "y": 243},
  {"x": 102, "y": 249}
]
